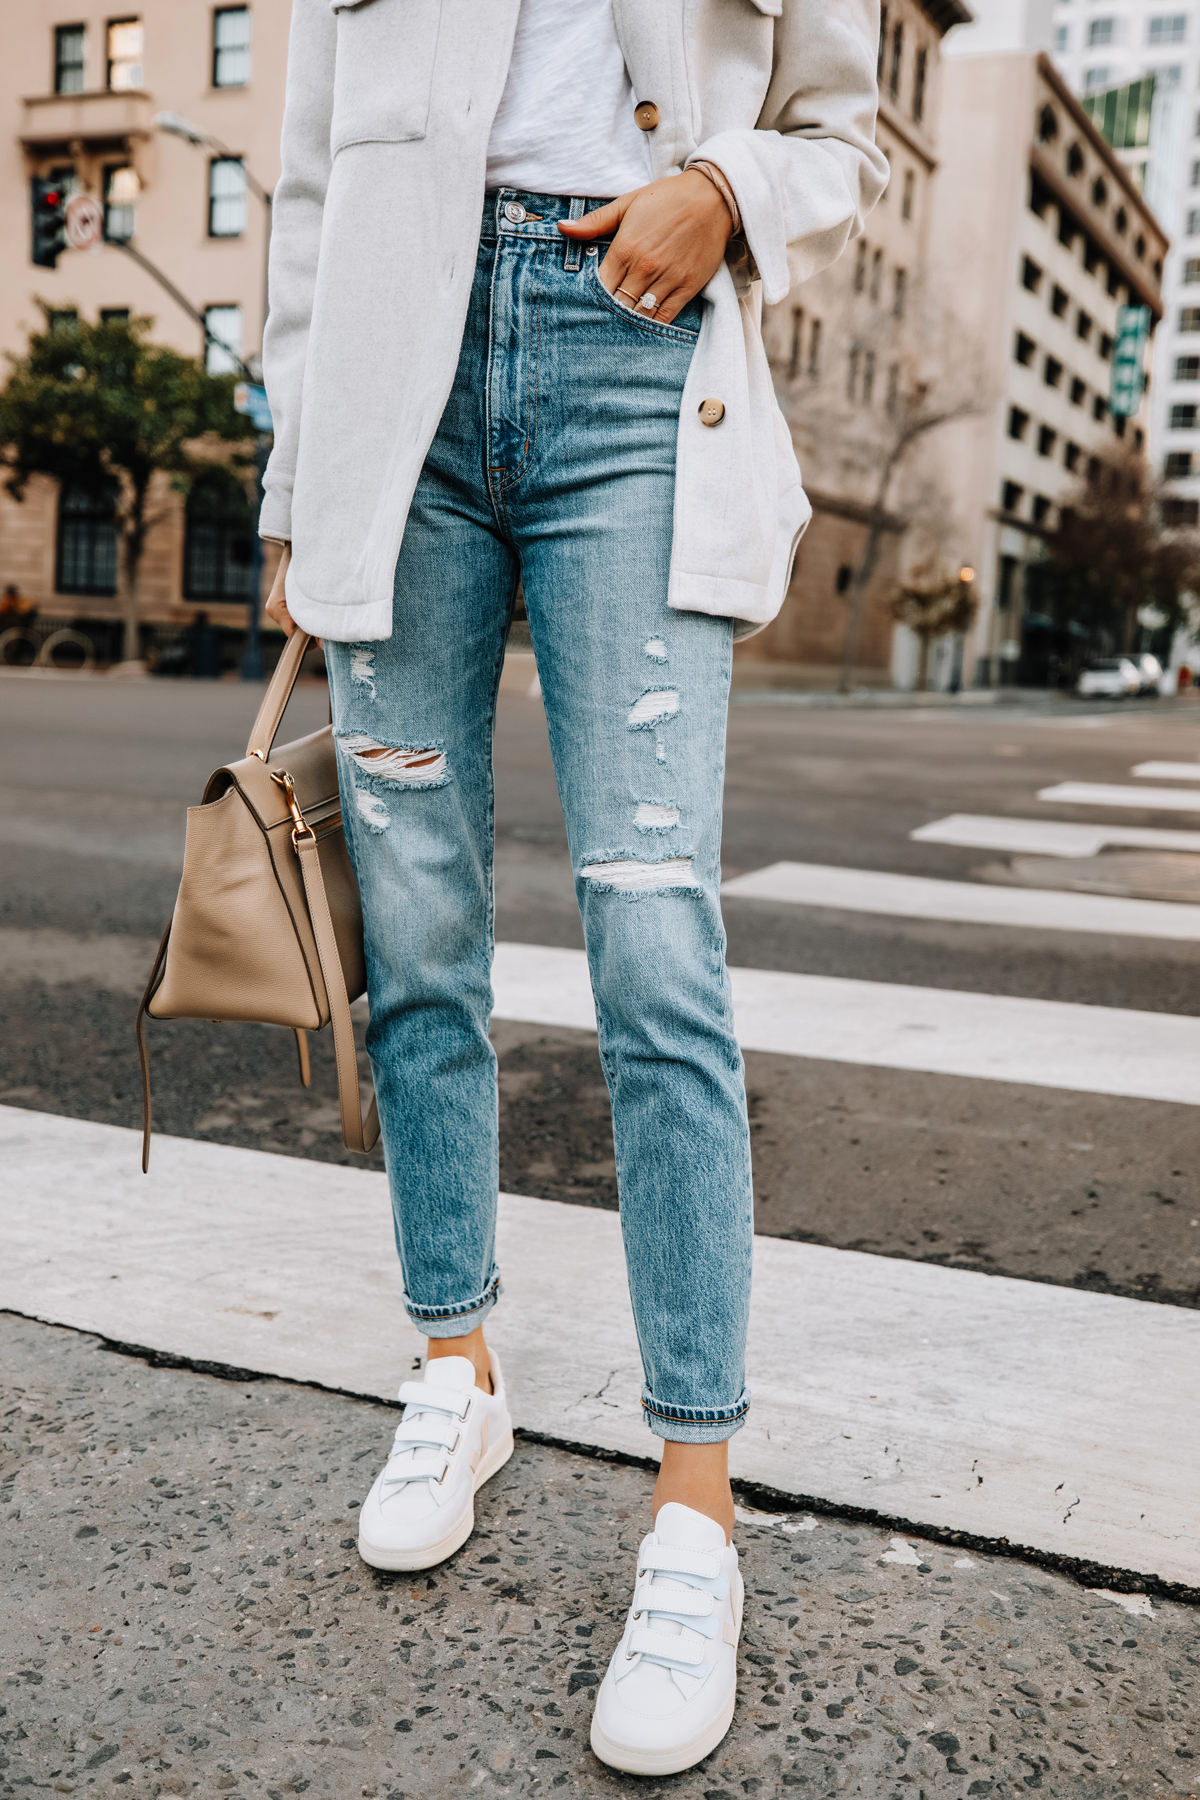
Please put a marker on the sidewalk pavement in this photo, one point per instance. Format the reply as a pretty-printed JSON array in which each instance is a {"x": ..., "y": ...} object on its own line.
[
  {"x": 183, "y": 1612},
  {"x": 1009, "y": 1412}
]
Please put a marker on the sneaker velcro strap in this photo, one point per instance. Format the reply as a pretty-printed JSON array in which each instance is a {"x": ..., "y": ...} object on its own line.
[
  {"x": 422, "y": 1434},
  {"x": 705, "y": 1563},
  {"x": 687, "y": 1648},
  {"x": 435, "y": 1399},
  {"x": 673, "y": 1597}
]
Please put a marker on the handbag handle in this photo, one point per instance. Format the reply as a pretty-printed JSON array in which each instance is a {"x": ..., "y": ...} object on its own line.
[{"x": 279, "y": 689}]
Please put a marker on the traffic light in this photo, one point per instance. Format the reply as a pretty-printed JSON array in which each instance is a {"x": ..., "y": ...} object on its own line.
[{"x": 48, "y": 200}]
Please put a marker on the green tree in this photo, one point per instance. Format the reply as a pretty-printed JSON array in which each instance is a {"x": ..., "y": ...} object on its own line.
[
  {"x": 99, "y": 403},
  {"x": 935, "y": 605}
]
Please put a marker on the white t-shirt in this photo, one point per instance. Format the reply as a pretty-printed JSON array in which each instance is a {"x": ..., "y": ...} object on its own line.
[{"x": 565, "y": 123}]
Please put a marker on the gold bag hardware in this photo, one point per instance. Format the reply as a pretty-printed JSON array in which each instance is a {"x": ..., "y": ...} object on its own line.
[{"x": 267, "y": 926}]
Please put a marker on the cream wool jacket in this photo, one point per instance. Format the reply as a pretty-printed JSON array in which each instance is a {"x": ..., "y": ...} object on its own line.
[{"x": 376, "y": 223}]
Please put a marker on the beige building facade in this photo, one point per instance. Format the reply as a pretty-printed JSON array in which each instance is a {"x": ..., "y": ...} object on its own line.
[
  {"x": 1040, "y": 236},
  {"x": 844, "y": 349},
  {"x": 81, "y": 88}
]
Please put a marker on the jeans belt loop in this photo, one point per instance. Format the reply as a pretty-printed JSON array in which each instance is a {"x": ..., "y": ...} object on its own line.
[{"x": 574, "y": 247}]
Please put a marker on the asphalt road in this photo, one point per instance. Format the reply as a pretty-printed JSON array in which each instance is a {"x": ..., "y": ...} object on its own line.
[
  {"x": 183, "y": 1612},
  {"x": 1030, "y": 1181}
]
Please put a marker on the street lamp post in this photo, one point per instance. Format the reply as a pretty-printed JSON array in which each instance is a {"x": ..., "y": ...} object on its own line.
[{"x": 172, "y": 122}]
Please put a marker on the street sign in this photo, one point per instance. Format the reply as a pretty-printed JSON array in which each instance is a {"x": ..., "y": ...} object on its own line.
[
  {"x": 247, "y": 398},
  {"x": 1133, "y": 332},
  {"x": 84, "y": 222}
]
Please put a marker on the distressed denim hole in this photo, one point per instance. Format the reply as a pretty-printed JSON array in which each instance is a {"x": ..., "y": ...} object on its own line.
[
  {"x": 655, "y": 815},
  {"x": 655, "y": 705},
  {"x": 362, "y": 666},
  {"x": 629, "y": 876},
  {"x": 656, "y": 650},
  {"x": 371, "y": 809},
  {"x": 407, "y": 768}
]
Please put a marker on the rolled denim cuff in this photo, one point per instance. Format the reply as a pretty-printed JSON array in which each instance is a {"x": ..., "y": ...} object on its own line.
[
  {"x": 695, "y": 1424},
  {"x": 455, "y": 1321}
]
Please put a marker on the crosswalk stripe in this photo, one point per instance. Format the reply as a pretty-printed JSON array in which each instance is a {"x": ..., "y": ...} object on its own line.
[
  {"x": 939, "y": 1031},
  {"x": 917, "y": 897},
  {"x": 1099, "y": 793},
  {"x": 1047, "y": 837},
  {"x": 973, "y": 1402},
  {"x": 1167, "y": 771}
]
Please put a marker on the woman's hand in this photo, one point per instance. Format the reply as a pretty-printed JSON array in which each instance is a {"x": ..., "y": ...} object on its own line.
[
  {"x": 669, "y": 241},
  {"x": 276, "y": 607}
]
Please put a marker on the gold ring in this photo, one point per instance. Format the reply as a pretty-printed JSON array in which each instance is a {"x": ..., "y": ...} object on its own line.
[{"x": 632, "y": 298}]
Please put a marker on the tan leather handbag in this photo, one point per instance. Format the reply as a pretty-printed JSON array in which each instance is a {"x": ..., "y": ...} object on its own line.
[{"x": 268, "y": 923}]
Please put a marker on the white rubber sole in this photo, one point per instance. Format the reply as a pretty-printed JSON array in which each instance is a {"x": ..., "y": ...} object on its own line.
[
  {"x": 671, "y": 1761},
  {"x": 427, "y": 1556}
]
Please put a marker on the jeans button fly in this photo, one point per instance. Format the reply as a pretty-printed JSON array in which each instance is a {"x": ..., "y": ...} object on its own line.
[{"x": 514, "y": 212}]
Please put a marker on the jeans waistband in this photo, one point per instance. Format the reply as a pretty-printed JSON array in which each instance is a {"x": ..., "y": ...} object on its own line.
[{"x": 508, "y": 212}]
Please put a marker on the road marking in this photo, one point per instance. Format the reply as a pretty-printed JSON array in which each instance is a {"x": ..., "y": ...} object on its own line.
[
  {"x": 875, "y": 1024},
  {"x": 935, "y": 1396},
  {"x": 963, "y": 902},
  {"x": 1047, "y": 837},
  {"x": 1099, "y": 793},
  {"x": 1167, "y": 771}
]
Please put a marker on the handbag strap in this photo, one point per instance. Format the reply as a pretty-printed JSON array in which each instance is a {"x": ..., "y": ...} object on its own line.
[
  {"x": 143, "y": 1053},
  {"x": 358, "y": 1133},
  {"x": 279, "y": 692}
]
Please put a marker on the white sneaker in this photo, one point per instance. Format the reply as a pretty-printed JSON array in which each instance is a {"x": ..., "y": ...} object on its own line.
[
  {"x": 667, "y": 1698},
  {"x": 451, "y": 1438}
]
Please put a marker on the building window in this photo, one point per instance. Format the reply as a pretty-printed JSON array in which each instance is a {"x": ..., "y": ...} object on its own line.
[
  {"x": 1010, "y": 496},
  {"x": 86, "y": 561},
  {"x": 121, "y": 188},
  {"x": 868, "y": 377},
  {"x": 1191, "y": 271},
  {"x": 1167, "y": 28},
  {"x": 876, "y": 273},
  {"x": 860, "y": 267},
  {"x": 1099, "y": 407},
  {"x": 1017, "y": 421},
  {"x": 1078, "y": 390},
  {"x": 919, "y": 86},
  {"x": 1023, "y": 349},
  {"x": 1178, "y": 465},
  {"x": 1119, "y": 424},
  {"x": 1094, "y": 79},
  {"x": 125, "y": 39},
  {"x": 1189, "y": 318},
  {"x": 1004, "y": 583},
  {"x": 883, "y": 17},
  {"x": 1100, "y": 32},
  {"x": 814, "y": 349},
  {"x": 1041, "y": 509},
  {"x": 1099, "y": 192},
  {"x": 1047, "y": 125},
  {"x": 1139, "y": 438},
  {"x": 1178, "y": 514},
  {"x": 797, "y": 329},
  {"x": 1031, "y": 275},
  {"x": 1193, "y": 222},
  {"x": 1104, "y": 348},
  {"x": 1062, "y": 39},
  {"x": 893, "y": 387},
  {"x": 226, "y": 197},
  {"x": 114, "y": 315},
  {"x": 1187, "y": 368},
  {"x": 1183, "y": 417},
  {"x": 1083, "y": 326},
  {"x": 68, "y": 59},
  {"x": 218, "y": 545},
  {"x": 224, "y": 325},
  {"x": 897, "y": 58},
  {"x": 852, "y": 376},
  {"x": 1071, "y": 456},
  {"x": 1059, "y": 302},
  {"x": 231, "y": 46},
  {"x": 900, "y": 295},
  {"x": 1052, "y": 371},
  {"x": 1047, "y": 438},
  {"x": 906, "y": 201}
]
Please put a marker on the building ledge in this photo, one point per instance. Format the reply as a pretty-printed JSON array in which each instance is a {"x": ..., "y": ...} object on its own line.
[
  {"x": 53, "y": 121},
  {"x": 910, "y": 135}
]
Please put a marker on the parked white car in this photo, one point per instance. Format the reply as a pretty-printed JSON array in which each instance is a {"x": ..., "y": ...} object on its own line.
[
  {"x": 1112, "y": 678},
  {"x": 1151, "y": 671}
]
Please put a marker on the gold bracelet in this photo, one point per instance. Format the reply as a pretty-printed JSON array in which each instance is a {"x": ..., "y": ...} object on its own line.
[{"x": 717, "y": 177}]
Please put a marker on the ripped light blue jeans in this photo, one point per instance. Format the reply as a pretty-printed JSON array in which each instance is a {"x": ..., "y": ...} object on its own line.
[{"x": 554, "y": 467}]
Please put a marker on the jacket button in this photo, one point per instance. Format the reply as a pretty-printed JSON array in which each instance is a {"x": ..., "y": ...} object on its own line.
[
  {"x": 514, "y": 212},
  {"x": 645, "y": 116},
  {"x": 712, "y": 412}
]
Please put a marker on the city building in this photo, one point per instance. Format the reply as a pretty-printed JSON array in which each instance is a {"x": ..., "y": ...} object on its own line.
[
  {"x": 1038, "y": 237},
  {"x": 1155, "y": 48},
  {"x": 80, "y": 94},
  {"x": 842, "y": 347}
]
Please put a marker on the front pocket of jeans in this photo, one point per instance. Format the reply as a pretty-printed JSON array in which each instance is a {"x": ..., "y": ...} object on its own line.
[
  {"x": 383, "y": 73},
  {"x": 636, "y": 321}
]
